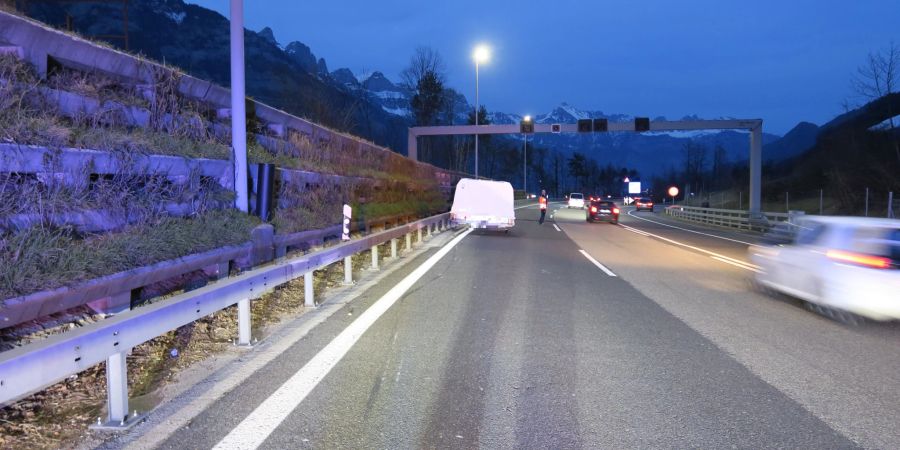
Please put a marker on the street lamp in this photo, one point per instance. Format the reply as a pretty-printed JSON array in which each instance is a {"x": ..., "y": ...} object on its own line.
[
  {"x": 525, "y": 120},
  {"x": 481, "y": 54}
]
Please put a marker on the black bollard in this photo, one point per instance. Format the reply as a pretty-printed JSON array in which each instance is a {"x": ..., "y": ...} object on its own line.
[{"x": 265, "y": 191}]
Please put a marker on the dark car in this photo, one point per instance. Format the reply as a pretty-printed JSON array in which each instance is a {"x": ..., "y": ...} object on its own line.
[
  {"x": 645, "y": 203},
  {"x": 603, "y": 211}
]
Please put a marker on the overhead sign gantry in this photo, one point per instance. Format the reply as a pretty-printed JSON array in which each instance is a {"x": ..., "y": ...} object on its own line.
[{"x": 640, "y": 124}]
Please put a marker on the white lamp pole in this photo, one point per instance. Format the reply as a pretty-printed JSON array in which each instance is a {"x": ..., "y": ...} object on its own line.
[
  {"x": 476, "y": 117},
  {"x": 238, "y": 108},
  {"x": 481, "y": 55},
  {"x": 525, "y": 166}
]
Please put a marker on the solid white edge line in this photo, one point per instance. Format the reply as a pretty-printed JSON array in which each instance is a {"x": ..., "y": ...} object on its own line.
[
  {"x": 260, "y": 424},
  {"x": 597, "y": 263},
  {"x": 707, "y": 252},
  {"x": 742, "y": 266},
  {"x": 557, "y": 228},
  {"x": 690, "y": 231}
]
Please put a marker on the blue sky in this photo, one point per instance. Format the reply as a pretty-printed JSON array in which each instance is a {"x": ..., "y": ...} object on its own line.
[{"x": 783, "y": 61}]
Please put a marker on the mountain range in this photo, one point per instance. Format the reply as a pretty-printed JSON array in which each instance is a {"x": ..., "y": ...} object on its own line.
[{"x": 291, "y": 77}]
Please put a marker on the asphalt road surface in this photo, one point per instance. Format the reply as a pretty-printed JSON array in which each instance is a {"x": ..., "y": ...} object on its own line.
[{"x": 576, "y": 335}]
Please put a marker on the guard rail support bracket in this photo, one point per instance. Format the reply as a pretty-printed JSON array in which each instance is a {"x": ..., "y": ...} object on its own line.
[
  {"x": 309, "y": 298},
  {"x": 408, "y": 241},
  {"x": 244, "y": 322},
  {"x": 117, "y": 396},
  {"x": 394, "y": 248},
  {"x": 419, "y": 235},
  {"x": 348, "y": 270},
  {"x": 375, "y": 257}
]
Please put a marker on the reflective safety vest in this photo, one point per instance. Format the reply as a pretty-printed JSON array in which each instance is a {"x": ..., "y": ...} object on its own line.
[{"x": 542, "y": 201}]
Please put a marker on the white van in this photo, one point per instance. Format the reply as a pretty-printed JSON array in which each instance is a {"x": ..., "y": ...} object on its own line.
[{"x": 483, "y": 204}]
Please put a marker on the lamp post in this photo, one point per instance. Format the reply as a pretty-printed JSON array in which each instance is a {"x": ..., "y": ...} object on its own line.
[
  {"x": 526, "y": 120},
  {"x": 480, "y": 55},
  {"x": 238, "y": 108}
]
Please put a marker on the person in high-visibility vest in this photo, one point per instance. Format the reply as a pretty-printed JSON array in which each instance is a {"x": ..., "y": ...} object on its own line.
[{"x": 542, "y": 202}]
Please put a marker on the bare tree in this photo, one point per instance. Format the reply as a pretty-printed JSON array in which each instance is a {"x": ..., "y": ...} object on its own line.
[
  {"x": 424, "y": 60},
  {"x": 878, "y": 77}
]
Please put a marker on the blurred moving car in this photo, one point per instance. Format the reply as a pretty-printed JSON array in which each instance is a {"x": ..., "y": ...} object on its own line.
[
  {"x": 840, "y": 266},
  {"x": 483, "y": 204},
  {"x": 643, "y": 203},
  {"x": 603, "y": 211},
  {"x": 576, "y": 200}
]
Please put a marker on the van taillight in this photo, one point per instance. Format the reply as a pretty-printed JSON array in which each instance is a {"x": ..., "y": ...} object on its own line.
[
  {"x": 593, "y": 209},
  {"x": 615, "y": 210},
  {"x": 875, "y": 262}
]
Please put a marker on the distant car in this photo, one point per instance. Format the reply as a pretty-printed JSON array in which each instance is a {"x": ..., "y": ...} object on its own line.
[
  {"x": 643, "y": 203},
  {"x": 576, "y": 200},
  {"x": 843, "y": 267},
  {"x": 603, "y": 211}
]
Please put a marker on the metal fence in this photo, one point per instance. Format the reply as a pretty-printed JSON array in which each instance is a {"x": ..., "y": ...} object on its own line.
[
  {"x": 825, "y": 201},
  {"x": 732, "y": 218},
  {"x": 33, "y": 367}
]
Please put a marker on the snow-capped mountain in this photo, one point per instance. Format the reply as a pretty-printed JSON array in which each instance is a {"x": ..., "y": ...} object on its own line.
[{"x": 392, "y": 98}]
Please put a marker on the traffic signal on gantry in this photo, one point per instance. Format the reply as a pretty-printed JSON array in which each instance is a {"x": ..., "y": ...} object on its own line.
[
  {"x": 585, "y": 125},
  {"x": 526, "y": 125}
]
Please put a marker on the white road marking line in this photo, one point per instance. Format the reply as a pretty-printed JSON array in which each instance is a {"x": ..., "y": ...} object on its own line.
[
  {"x": 691, "y": 231},
  {"x": 636, "y": 231},
  {"x": 257, "y": 427},
  {"x": 557, "y": 228},
  {"x": 713, "y": 254},
  {"x": 733, "y": 263},
  {"x": 597, "y": 263}
]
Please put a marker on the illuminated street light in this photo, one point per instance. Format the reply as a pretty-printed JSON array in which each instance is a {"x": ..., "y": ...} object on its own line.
[{"x": 481, "y": 54}]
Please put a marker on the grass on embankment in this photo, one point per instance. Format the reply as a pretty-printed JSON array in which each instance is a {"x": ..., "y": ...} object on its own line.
[{"x": 42, "y": 258}]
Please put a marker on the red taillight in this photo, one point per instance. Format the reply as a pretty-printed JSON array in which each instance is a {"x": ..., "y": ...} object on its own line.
[
  {"x": 875, "y": 262},
  {"x": 593, "y": 209},
  {"x": 615, "y": 210}
]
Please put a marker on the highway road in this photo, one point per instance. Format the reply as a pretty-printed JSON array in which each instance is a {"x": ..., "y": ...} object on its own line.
[{"x": 567, "y": 335}]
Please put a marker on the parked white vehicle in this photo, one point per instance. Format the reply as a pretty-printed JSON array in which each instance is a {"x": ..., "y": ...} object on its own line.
[
  {"x": 576, "y": 200},
  {"x": 483, "y": 204},
  {"x": 837, "y": 265}
]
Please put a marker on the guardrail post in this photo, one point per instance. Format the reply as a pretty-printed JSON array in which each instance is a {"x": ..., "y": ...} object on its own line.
[
  {"x": 244, "y": 322},
  {"x": 309, "y": 299},
  {"x": 117, "y": 389},
  {"x": 428, "y": 230},
  {"x": 419, "y": 235},
  {"x": 408, "y": 241},
  {"x": 393, "y": 248},
  {"x": 375, "y": 257},
  {"x": 348, "y": 270}
]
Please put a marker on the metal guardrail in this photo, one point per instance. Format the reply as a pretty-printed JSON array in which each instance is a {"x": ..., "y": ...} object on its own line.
[
  {"x": 731, "y": 218},
  {"x": 114, "y": 292},
  {"x": 32, "y": 367}
]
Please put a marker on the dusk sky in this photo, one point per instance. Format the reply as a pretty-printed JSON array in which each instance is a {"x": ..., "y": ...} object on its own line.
[{"x": 782, "y": 61}]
